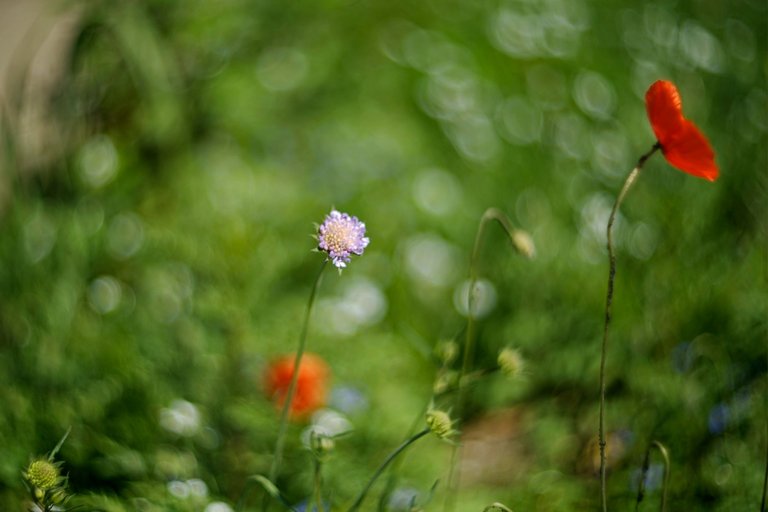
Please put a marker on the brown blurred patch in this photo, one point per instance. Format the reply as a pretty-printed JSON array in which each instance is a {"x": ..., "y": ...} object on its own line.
[
  {"x": 616, "y": 448},
  {"x": 493, "y": 451},
  {"x": 35, "y": 41}
]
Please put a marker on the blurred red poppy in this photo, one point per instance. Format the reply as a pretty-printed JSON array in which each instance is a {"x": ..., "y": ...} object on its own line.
[
  {"x": 682, "y": 144},
  {"x": 311, "y": 386}
]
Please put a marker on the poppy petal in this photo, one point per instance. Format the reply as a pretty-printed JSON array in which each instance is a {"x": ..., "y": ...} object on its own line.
[
  {"x": 689, "y": 151},
  {"x": 311, "y": 383},
  {"x": 665, "y": 109}
]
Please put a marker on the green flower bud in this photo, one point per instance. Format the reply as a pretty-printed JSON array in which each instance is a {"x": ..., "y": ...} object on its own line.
[
  {"x": 445, "y": 382},
  {"x": 511, "y": 362},
  {"x": 523, "y": 243},
  {"x": 440, "y": 423},
  {"x": 321, "y": 444},
  {"x": 43, "y": 474},
  {"x": 447, "y": 351}
]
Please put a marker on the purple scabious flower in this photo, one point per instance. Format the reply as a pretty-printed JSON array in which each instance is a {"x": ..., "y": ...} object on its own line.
[{"x": 341, "y": 235}]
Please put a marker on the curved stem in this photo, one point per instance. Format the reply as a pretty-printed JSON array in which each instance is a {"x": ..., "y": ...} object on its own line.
[
  {"x": 489, "y": 215},
  {"x": 393, "y": 476},
  {"x": 608, "y": 303},
  {"x": 280, "y": 443},
  {"x": 359, "y": 501},
  {"x": 665, "y": 484},
  {"x": 646, "y": 464}
]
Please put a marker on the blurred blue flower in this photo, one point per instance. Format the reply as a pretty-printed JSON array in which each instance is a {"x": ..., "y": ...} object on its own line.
[
  {"x": 682, "y": 357},
  {"x": 341, "y": 236},
  {"x": 719, "y": 417},
  {"x": 302, "y": 507},
  {"x": 653, "y": 478},
  {"x": 348, "y": 400},
  {"x": 403, "y": 499}
]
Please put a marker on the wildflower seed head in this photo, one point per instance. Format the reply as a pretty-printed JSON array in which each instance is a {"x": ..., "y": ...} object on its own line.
[
  {"x": 445, "y": 381},
  {"x": 523, "y": 243},
  {"x": 341, "y": 235},
  {"x": 511, "y": 362},
  {"x": 447, "y": 351},
  {"x": 43, "y": 474},
  {"x": 440, "y": 423}
]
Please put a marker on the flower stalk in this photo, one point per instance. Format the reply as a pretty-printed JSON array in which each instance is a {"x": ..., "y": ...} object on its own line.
[
  {"x": 280, "y": 443},
  {"x": 318, "y": 495},
  {"x": 392, "y": 456},
  {"x": 523, "y": 245},
  {"x": 631, "y": 178}
]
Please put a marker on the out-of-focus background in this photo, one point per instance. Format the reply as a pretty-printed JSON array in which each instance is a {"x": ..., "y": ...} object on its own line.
[{"x": 164, "y": 163}]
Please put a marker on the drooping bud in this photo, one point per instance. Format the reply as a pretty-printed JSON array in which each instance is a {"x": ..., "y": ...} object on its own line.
[{"x": 523, "y": 243}]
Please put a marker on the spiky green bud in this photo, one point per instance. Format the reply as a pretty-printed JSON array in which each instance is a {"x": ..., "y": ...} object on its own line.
[
  {"x": 511, "y": 362},
  {"x": 440, "y": 423},
  {"x": 43, "y": 474}
]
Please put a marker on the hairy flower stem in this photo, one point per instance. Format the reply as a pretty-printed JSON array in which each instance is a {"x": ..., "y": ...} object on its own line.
[
  {"x": 490, "y": 214},
  {"x": 280, "y": 443},
  {"x": 392, "y": 456},
  {"x": 646, "y": 464},
  {"x": 318, "y": 499},
  {"x": 608, "y": 302}
]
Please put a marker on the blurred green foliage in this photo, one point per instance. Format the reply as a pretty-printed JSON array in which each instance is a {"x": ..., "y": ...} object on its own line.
[{"x": 157, "y": 204}]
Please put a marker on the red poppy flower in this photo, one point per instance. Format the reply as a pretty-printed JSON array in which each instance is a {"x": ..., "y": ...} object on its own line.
[
  {"x": 311, "y": 386},
  {"x": 682, "y": 144}
]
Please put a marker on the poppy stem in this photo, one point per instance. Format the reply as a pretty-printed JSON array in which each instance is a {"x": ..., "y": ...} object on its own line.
[
  {"x": 392, "y": 456},
  {"x": 608, "y": 303},
  {"x": 280, "y": 443}
]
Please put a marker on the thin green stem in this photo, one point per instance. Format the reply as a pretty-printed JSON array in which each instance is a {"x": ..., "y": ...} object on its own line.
[
  {"x": 490, "y": 214},
  {"x": 392, "y": 456},
  {"x": 392, "y": 480},
  {"x": 318, "y": 499},
  {"x": 280, "y": 443},
  {"x": 608, "y": 303}
]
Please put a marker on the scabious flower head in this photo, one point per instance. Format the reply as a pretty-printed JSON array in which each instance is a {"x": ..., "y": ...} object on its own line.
[
  {"x": 311, "y": 384},
  {"x": 440, "y": 423},
  {"x": 43, "y": 474},
  {"x": 341, "y": 235},
  {"x": 682, "y": 144}
]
